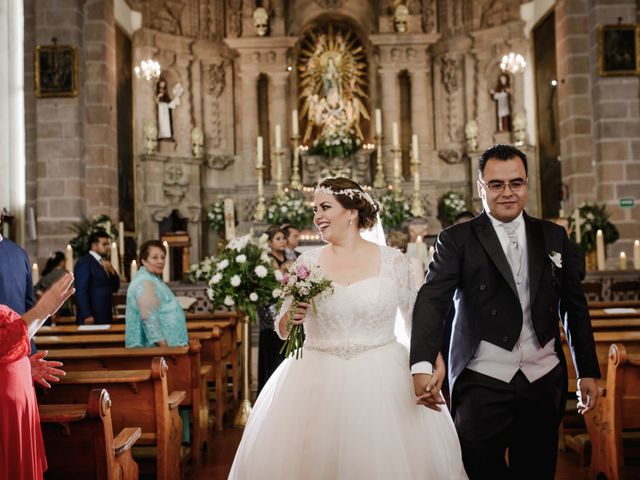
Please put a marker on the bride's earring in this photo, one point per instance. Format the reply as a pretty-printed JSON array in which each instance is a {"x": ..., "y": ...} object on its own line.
[{"x": 350, "y": 222}]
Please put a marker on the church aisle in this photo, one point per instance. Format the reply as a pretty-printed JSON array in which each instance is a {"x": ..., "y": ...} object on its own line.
[{"x": 222, "y": 447}]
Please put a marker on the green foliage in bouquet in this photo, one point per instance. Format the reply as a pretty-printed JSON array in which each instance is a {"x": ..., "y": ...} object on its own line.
[
  {"x": 335, "y": 146},
  {"x": 85, "y": 228},
  {"x": 242, "y": 277},
  {"x": 215, "y": 216},
  {"x": 394, "y": 211},
  {"x": 593, "y": 218},
  {"x": 449, "y": 206},
  {"x": 291, "y": 208}
]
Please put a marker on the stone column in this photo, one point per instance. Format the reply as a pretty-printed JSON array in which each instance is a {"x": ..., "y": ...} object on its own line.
[
  {"x": 390, "y": 113},
  {"x": 420, "y": 121},
  {"x": 278, "y": 93},
  {"x": 249, "y": 120}
]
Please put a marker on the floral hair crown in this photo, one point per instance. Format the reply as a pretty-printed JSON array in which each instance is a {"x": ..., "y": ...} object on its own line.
[{"x": 349, "y": 192}]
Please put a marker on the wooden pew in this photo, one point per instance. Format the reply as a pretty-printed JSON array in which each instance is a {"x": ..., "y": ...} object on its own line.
[
  {"x": 615, "y": 422},
  {"x": 139, "y": 397},
  {"x": 185, "y": 373},
  {"x": 86, "y": 431}
]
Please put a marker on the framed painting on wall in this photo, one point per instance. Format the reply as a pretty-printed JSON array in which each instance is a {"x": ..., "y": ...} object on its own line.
[
  {"x": 619, "y": 50},
  {"x": 56, "y": 71}
]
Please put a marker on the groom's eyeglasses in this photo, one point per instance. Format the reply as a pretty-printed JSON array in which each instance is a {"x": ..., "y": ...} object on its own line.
[{"x": 497, "y": 186}]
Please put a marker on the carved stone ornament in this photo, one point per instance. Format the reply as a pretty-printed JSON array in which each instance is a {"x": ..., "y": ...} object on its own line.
[
  {"x": 450, "y": 156},
  {"x": 400, "y": 18},
  {"x": 449, "y": 73},
  {"x": 471, "y": 135},
  {"x": 261, "y": 21},
  {"x": 519, "y": 129},
  {"x": 220, "y": 162},
  {"x": 197, "y": 142},
  {"x": 175, "y": 183},
  {"x": 217, "y": 81},
  {"x": 330, "y": 3},
  {"x": 150, "y": 137}
]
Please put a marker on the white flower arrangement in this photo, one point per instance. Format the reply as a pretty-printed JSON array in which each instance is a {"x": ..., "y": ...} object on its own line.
[
  {"x": 215, "y": 216},
  {"x": 450, "y": 205},
  {"x": 290, "y": 208}
]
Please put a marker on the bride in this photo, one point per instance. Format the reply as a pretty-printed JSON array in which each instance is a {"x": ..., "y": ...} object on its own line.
[{"x": 347, "y": 409}]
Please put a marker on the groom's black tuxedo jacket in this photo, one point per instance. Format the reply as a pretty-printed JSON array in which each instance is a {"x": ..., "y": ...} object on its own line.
[{"x": 470, "y": 266}]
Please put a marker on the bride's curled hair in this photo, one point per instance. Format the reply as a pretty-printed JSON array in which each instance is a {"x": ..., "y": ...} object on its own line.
[{"x": 358, "y": 199}]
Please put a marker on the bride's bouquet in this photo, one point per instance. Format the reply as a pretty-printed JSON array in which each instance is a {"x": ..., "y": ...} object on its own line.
[{"x": 302, "y": 284}]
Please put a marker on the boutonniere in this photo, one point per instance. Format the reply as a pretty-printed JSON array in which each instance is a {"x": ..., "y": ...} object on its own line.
[{"x": 556, "y": 261}]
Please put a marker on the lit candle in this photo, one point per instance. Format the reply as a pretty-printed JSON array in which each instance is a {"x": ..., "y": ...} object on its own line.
[
  {"x": 229, "y": 219},
  {"x": 121, "y": 236},
  {"x": 636, "y": 255},
  {"x": 600, "y": 250},
  {"x": 259, "y": 155},
  {"x": 166, "y": 271},
  {"x": 396, "y": 135},
  {"x": 623, "y": 261},
  {"x": 378, "y": 121},
  {"x": 114, "y": 257},
  {"x": 68, "y": 259},
  {"x": 432, "y": 250},
  {"x": 278, "y": 137},
  {"x": 294, "y": 123},
  {"x": 35, "y": 273},
  {"x": 576, "y": 216},
  {"x": 133, "y": 270},
  {"x": 561, "y": 213}
]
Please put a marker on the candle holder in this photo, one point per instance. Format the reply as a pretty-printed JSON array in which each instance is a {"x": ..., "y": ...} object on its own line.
[
  {"x": 396, "y": 152},
  {"x": 261, "y": 208},
  {"x": 276, "y": 158},
  {"x": 244, "y": 410},
  {"x": 379, "y": 181},
  {"x": 417, "y": 209},
  {"x": 123, "y": 275},
  {"x": 296, "y": 180}
]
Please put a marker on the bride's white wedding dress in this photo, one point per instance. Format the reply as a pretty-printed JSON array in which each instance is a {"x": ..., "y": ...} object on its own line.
[{"x": 347, "y": 410}]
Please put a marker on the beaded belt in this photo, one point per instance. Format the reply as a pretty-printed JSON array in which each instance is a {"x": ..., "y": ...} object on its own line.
[{"x": 347, "y": 350}]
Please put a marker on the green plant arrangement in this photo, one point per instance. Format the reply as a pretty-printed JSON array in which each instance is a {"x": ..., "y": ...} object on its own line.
[
  {"x": 85, "y": 228},
  {"x": 290, "y": 208},
  {"x": 395, "y": 210},
  {"x": 450, "y": 205},
  {"x": 215, "y": 216},
  {"x": 242, "y": 277},
  {"x": 593, "y": 217}
]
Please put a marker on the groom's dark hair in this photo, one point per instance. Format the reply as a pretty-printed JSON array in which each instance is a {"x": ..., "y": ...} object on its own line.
[{"x": 501, "y": 152}]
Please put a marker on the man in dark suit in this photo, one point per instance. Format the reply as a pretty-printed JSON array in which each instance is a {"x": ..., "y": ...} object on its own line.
[
  {"x": 96, "y": 281},
  {"x": 511, "y": 275}
]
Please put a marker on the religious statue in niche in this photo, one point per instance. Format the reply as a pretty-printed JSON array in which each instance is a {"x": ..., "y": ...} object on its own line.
[
  {"x": 165, "y": 106},
  {"x": 333, "y": 85},
  {"x": 502, "y": 96}
]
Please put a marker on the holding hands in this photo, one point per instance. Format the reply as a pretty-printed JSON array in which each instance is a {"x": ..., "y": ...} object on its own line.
[{"x": 427, "y": 386}]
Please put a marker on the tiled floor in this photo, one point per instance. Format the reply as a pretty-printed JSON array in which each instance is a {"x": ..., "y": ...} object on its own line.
[{"x": 222, "y": 447}]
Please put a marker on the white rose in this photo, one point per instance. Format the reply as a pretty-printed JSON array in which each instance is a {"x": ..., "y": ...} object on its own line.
[
  {"x": 228, "y": 301},
  {"x": 241, "y": 258},
  {"x": 253, "y": 296},
  {"x": 216, "y": 278},
  {"x": 276, "y": 293},
  {"x": 261, "y": 271},
  {"x": 210, "y": 293},
  {"x": 278, "y": 275},
  {"x": 284, "y": 209},
  {"x": 235, "y": 280},
  {"x": 224, "y": 263}
]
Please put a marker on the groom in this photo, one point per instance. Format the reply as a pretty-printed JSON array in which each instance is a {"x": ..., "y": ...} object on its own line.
[{"x": 511, "y": 274}]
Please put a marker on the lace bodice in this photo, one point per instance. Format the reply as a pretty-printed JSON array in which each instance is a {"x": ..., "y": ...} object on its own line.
[{"x": 358, "y": 317}]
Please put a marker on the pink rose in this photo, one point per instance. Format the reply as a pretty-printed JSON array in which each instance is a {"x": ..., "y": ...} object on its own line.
[
  {"x": 302, "y": 272},
  {"x": 285, "y": 278}
]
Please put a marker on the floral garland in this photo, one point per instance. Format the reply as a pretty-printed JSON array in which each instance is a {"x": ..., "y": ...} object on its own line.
[
  {"x": 290, "y": 208},
  {"x": 593, "y": 218},
  {"x": 395, "y": 210},
  {"x": 241, "y": 276},
  {"x": 215, "y": 216},
  {"x": 450, "y": 205}
]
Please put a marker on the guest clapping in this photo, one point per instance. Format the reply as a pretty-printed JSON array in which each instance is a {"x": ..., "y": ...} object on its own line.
[{"x": 154, "y": 316}]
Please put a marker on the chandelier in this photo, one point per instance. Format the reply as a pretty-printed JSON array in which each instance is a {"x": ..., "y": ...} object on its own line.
[
  {"x": 513, "y": 63},
  {"x": 149, "y": 69}
]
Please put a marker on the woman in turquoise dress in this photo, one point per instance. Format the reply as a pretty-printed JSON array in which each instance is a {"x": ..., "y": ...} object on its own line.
[{"x": 154, "y": 315}]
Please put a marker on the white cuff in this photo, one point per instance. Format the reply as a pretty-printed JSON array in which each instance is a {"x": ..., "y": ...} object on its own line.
[{"x": 422, "y": 367}]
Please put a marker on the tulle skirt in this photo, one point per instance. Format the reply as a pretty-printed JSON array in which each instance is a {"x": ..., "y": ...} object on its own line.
[{"x": 327, "y": 418}]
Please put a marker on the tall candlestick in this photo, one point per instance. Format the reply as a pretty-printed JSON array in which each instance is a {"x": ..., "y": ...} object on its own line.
[
  {"x": 414, "y": 146},
  {"x": 636, "y": 255},
  {"x": 121, "y": 237},
  {"x": 378, "y": 121},
  {"x": 260, "y": 152},
  {"x": 294, "y": 123},
  {"x": 278, "y": 137},
  {"x": 623, "y": 261},
  {"x": 35, "y": 273},
  {"x": 417, "y": 209},
  {"x": 396, "y": 135},
  {"x": 576, "y": 216},
  {"x": 133, "y": 269},
  {"x": 166, "y": 271},
  {"x": 115, "y": 259},
  {"x": 600, "y": 250},
  {"x": 68, "y": 259}
]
